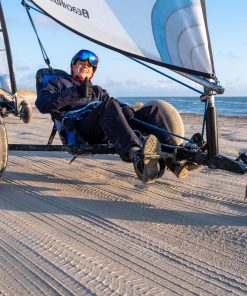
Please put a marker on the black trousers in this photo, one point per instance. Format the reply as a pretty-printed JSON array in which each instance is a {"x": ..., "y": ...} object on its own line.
[{"x": 107, "y": 123}]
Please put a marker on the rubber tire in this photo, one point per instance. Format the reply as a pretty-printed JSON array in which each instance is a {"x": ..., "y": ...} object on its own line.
[
  {"x": 173, "y": 118},
  {"x": 3, "y": 148},
  {"x": 25, "y": 108}
]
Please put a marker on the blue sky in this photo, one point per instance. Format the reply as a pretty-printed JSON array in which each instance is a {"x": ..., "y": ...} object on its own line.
[{"x": 116, "y": 73}]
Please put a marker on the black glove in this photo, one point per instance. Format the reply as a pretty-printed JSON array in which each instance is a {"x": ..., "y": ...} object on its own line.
[
  {"x": 128, "y": 112},
  {"x": 85, "y": 90}
]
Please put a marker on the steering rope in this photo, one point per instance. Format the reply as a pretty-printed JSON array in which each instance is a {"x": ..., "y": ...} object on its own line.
[{"x": 44, "y": 54}]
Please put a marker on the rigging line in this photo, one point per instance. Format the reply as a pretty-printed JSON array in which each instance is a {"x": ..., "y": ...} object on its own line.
[
  {"x": 9, "y": 59},
  {"x": 168, "y": 76},
  {"x": 160, "y": 129},
  {"x": 34, "y": 8},
  {"x": 45, "y": 56}
]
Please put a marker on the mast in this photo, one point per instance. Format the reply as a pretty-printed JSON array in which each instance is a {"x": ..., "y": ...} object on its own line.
[
  {"x": 8, "y": 51},
  {"x": 211, "y": 128}
]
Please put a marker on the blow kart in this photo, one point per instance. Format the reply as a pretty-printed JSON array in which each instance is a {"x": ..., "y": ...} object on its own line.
[{"x": 196, "y": 150}]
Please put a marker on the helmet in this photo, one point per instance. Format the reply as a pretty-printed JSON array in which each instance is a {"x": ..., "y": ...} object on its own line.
[{"x": 86, "y": 55}]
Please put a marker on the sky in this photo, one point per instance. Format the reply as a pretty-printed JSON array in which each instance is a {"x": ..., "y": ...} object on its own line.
[{"x": 118, "y": 74}]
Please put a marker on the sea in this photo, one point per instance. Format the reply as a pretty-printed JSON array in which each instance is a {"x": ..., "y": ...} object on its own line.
[{"x": 233, "y": 106}]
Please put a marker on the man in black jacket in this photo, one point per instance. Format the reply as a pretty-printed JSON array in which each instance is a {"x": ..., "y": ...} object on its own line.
[{"x": 101, "y": 117}]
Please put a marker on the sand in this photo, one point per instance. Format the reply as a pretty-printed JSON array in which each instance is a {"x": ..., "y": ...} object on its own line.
[{"x": 92, "y": 228}]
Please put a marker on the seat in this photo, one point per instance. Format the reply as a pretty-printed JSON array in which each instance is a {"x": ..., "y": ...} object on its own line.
[{"x": 66, "y": 130}]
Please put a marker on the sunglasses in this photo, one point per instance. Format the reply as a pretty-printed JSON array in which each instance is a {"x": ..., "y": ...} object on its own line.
[{"x": 86, "y": 55}]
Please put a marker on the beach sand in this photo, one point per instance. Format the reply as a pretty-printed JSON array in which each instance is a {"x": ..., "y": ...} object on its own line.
[{"x": 92, "y": 228}]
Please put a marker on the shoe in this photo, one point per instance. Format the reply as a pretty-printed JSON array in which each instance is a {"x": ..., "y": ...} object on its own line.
[
  {"x": 182, "y": 168},
  {"x": 146, "y": 163}
]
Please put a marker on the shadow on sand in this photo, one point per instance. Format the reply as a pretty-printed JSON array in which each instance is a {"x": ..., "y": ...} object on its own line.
[{"x": 34, "y": 198}]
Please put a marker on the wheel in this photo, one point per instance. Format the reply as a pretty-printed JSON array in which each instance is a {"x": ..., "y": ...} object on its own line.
[
  {"x": 174, "y": 119},
  {"x": 25, "y": 111},
  {"x": 3, "y": 148}
]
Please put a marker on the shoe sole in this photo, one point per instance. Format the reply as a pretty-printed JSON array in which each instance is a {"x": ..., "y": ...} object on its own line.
[
  {"x": 151, "y": 147},
  {"x": 184, "y": 171}
]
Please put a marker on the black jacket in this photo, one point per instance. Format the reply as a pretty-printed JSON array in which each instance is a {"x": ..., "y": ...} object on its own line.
[{"x": 60, "y": 94}]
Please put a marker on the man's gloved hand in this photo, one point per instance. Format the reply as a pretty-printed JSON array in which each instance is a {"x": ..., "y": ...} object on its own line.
[
  {"x": 85, "y": 90},
  {"x": 128, "y": 112}
]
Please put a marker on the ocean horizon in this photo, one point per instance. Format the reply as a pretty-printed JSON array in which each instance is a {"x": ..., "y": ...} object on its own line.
[{"x": 235, "y": 106}]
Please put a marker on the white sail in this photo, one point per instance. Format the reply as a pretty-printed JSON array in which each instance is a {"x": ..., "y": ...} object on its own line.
[
  {"x": 4, "y": 68},
  {"x": 4, "y": 71},
  {"x": 172, "y": 33},
  {"x": 7, "y": 78}
]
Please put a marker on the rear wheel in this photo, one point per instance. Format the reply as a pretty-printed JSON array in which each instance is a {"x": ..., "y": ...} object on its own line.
[
  {"x": 25, "y": 111},
  {"x": 172, "y": 116},
  {"x": 3, "y": 148}
]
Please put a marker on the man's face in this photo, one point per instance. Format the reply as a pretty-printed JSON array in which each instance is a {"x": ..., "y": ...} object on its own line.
[{"x": 81, "y": 70}]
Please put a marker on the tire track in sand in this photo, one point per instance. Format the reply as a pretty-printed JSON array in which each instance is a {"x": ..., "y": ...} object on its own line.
[{"x": 99, "y": 194}]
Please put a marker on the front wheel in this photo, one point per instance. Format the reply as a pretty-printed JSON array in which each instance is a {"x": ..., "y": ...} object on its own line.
[
  {"x": 172, "y": 116},
  {"x": 176, "y": 126},
  {"x": 3, "y": 148}
]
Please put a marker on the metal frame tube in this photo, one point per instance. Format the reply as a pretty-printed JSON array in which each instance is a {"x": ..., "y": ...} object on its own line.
[
  {"x": 212, "y": 130},
  {"x": 8, "y": 51}
]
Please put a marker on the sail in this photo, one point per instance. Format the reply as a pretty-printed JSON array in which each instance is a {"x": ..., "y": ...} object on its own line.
[
  {"x": 170, "y": 33},
  {"x": 7, "y": 77}
]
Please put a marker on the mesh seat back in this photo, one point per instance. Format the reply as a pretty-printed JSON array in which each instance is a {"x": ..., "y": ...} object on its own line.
[{"x": 45, "y": 74}]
